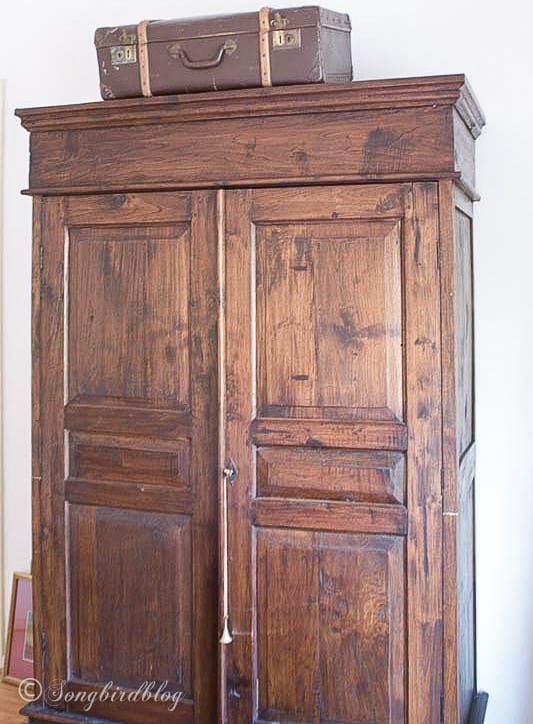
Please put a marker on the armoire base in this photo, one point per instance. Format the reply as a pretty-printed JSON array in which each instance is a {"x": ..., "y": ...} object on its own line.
[
  {"x": 37, "y": 713},
  {"x": 478, "y": 708}
]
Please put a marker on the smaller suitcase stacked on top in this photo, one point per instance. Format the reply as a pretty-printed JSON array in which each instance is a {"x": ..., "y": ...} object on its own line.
[{"x": 269, "y": 47}]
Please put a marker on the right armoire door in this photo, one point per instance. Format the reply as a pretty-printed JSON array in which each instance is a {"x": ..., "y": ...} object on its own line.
[{"x": 332, "y": 422}]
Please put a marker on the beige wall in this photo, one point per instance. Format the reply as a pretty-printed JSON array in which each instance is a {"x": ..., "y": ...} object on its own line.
[{"x": 46, "y": 57}]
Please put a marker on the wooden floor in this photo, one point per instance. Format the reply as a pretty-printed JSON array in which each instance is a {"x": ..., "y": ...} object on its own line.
[{"x": 10, "y": 703}]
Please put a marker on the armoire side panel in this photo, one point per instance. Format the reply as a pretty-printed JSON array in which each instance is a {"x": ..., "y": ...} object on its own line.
[
  {"x": 466, "y": 600},
  {"x": 465, "y": 431},
  {"x": 458, "y": 451},
  {"x": 464, "y": 329}
]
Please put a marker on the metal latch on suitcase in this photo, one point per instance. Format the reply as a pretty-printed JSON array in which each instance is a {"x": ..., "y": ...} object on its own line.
[{"x": 287, "y": 39}]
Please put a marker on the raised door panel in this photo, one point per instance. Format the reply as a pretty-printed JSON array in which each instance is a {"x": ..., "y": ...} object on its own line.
[
  {"x": 330, "y": 627},
  {"x": 329, "y": 319},
  {"x": 129, "y": 370},
  {"x": 354, "y": 476},
  {"x": 116, "y": 277},
  {"x": 333, "y": 423},
  {"x": 131, "y": 607}
]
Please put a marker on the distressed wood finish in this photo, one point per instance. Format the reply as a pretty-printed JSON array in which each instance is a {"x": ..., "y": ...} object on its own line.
[
  {"x": 355, "y": 131},
  {"x": 309, "y": 320},
  {"x": 458, "y": 451},
  {"x": 331, "y": 475},
  {"x": 127, "y": 466},
  {"x": 398, "y": 282}
]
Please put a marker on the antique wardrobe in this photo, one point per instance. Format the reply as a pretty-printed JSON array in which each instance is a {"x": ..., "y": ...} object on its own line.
[{"x": 253, "y": 438}]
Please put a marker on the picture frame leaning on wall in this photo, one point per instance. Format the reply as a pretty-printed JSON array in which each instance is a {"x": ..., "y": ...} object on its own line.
[{"x": 18, "y": 658}]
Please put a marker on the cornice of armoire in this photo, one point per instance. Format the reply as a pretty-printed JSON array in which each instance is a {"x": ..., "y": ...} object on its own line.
[{"x": 358, "y": 96}]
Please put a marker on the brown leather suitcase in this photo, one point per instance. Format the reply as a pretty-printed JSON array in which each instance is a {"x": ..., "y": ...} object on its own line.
[{"x": 269, "y": 47}]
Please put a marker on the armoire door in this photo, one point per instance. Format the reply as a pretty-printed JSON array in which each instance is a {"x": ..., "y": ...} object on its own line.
[
  {"x": 333, "y": 423},
  {"x": 128, "y": 411}
]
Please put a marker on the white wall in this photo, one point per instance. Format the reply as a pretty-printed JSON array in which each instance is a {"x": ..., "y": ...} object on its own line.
[
  {"x": 46, "y": 56},
  {"x": 2, "y": 612}
]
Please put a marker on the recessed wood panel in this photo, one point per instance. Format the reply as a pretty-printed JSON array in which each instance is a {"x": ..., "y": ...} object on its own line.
[
  {"x": 116, "y": 277},
  {"x": 125, "y": 568},
  {"x": 464, "y": 330},
  {"x": 128, "y": 460},
  {"x": 372, "y": 435},
  {"x": 466, "y": 594},
  {"x": 123, "y": 417},
  {"x": 329, "y": 319},
  {"x": 329, "y": 515},
  {"x": 376, "y": 477},
  {"x": 330, "y": 627}
]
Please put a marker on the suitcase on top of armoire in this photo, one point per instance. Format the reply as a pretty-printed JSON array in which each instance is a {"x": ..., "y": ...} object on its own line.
[{"x": 265, "y": 48}]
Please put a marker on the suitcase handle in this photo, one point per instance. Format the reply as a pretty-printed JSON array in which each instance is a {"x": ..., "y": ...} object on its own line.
[{"x": 228, "y": 48}]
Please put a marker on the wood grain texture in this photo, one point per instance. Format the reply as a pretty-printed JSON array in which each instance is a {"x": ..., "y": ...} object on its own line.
[
  {"x": 134, "y": 496},
  {"x": 376, "y": 477},
  {"x": 135, "y": 463},
  {"x": 37, "y": 565},
  {"x": 464, "y": 298},
  {"x": 333, "y": 516},
  {"x": 327, "y": 623},
  {"x": 114, "y": 634},
  {"x": 242, "y": 152},
  {"x": 252, "y": 518},
  {"x": 204, "y": 454},
  {"x": 455, "y": 211},
  {"x": 115, "y": 275},
  {"x": 424, "y": 461},
  {"x": 52, "y": 638},
  {"x": 36, "y": 336},
  {"x": 140, "y": 415},
  {"x": 128, "y": 711},
  {"x": 374, "y": 202},
  {"x": 357, "y": 131},
  {"x": 284, "y": 100},
  {"x": 38, "y": 713},
  {"x": 339, "y": 321},
  {"x": 114, "y": 416},
  {"x": 239, "y": 666},
  {"x": 330, "y": 433},
  {"x": 123, "y": 209},
  {"x": 330, "y": 293}
]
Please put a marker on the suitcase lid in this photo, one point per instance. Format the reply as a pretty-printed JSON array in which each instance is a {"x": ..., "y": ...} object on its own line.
[{"x": 161, "y": 31}]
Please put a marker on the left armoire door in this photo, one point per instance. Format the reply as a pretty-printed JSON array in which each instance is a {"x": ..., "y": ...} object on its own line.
[{"x": 125, "y": 397}]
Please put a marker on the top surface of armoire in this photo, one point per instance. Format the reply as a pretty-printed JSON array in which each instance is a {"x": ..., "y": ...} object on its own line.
[{"x": 253, "y": 422}]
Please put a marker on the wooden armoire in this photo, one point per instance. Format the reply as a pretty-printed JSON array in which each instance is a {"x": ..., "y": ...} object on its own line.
[{"x": 253, "y": 428}]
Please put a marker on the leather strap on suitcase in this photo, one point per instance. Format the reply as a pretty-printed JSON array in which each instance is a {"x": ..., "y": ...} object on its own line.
[
  {"x": 264, "y": 51},
  {"x": 144, "y": 67},
  {"x": 264, "y": 46}
]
